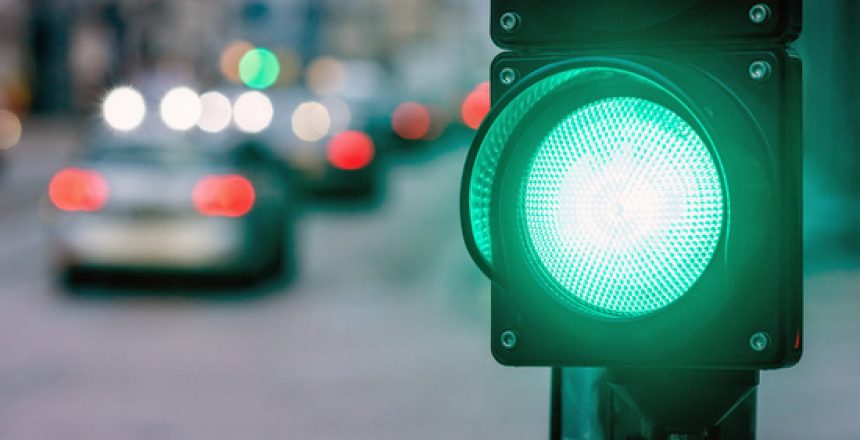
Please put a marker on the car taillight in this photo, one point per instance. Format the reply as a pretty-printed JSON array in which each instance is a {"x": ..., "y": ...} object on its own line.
[
  {"x": 476, "y": 106},
  {"x": 411, "y": 121},
  {"x": 75, "y": 189},
  {"x": 228, "y": 195},
  {"x": 350, "y": 150}
]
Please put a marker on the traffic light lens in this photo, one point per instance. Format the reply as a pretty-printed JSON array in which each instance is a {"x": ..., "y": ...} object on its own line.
[{"x": 623, "y": 206}]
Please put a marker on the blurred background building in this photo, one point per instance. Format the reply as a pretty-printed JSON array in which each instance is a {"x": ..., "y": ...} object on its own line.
[{"x": 67, "y": 51}]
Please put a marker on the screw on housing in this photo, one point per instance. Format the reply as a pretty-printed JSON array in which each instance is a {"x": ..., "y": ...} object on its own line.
[
  {"x": 759, "y": 341},
  {"x": 759, "y": 13},
  {"x": 509, "y": 21},
  {"x": 760, "y": 70},
  {"x": 508, "y": 339},
  {"x": 507, "y": 76}
]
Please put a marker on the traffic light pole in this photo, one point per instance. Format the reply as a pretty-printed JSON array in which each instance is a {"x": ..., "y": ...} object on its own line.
[
  {"x": 635, "y": 187},
  {"x": 652, "y": 404}
]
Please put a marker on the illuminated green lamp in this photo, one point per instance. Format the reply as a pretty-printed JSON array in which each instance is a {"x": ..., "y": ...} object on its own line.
[
  {"x": 621, "y": 204},
  {"x": 623, "y": 207},
  {"x": 259, "y": 68}
]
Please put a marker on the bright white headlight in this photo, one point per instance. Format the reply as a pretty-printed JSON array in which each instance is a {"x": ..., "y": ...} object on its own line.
[
  {"x": 252, "y": 112},
  {"x": 123, "y": 108},
  {"x": 217, "y": 112},
  {"x": 180, "y": 108}
]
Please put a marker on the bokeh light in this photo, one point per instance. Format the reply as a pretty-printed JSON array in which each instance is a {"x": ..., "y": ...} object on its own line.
[
  {"x": 339, "y": 114},
  {"x": 230, "y": 57},
  {"x": 230, "y": 195},
  {"x": 311, "y": 121},
  {"x": 326, "y": 76},
  {"x": 411, "y": 121},
  {"x": 75, "y": 189},
  {"x": 10, "y": 129},
  {"x": 350, "y": 150},
  {"x": 259, "y": 68},
  {"x": 476, "y": 106},
  {"x": 180, "y": 108},
  {"x": 123, "y": 108},
  {"x": 216, "y": 112},
  {"x": 253, "y": 112}
]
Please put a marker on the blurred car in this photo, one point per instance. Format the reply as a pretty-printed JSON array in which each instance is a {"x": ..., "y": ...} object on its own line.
[
  {"x": 139, "y": 206},
  {"x": 327, "y": 142},
  {"x": 345, "y": 163}
]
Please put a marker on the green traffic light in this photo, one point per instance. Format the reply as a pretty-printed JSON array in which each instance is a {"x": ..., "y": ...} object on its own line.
[
  {"x": 259, "y": 68},
  {"x": 634, "y": 199},
  {"x": 623, "y": 206}
]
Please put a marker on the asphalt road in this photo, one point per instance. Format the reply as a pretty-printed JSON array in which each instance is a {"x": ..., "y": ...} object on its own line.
[{"x": 382, "y": 335}]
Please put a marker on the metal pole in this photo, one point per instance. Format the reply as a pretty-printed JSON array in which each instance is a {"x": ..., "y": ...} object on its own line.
[{"x": 651, "y": 404}]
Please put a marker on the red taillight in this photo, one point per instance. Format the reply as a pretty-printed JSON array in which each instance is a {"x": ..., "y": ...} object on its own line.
[
  {"x": 476, "y": 106},
  {"x": 411, "y": 120},
  {"x": 75, "y": 189},
  {"x": 229, "y": 195},
  {"x": 350, "y": 150}
]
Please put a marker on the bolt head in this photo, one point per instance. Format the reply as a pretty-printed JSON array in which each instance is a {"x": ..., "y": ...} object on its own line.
[
  {"x": 509, "y": 21},
  {"x": 508, "y": 339},
  {"x": 507, "y": 76},
  {"x": 760, "y": 70},
  {"x": 759, "y": 341},
  {"x": 759, "y": 13}
]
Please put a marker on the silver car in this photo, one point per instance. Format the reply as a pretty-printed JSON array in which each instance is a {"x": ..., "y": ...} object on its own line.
[{"x": 174, "y": 206}]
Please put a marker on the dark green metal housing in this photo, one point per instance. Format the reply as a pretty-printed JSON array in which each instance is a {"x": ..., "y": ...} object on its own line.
[
  {"x": 752, "y": 286},
  {"x": 576, "y": 24}
]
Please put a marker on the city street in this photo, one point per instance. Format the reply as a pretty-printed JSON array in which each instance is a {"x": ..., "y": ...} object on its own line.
[{"x": 383, "y": 333}]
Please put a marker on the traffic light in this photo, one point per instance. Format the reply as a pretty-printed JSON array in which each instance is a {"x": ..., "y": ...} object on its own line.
[{"x": 634, "y": 194}]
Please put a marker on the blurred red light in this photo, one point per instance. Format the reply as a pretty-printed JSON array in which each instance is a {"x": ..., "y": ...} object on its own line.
[
  {"x": 75, "y": 189},
  {"x": 475, "y": 107},
  {"x": 411, "y": 120},
  {"x": 350, "y": 150},
  {"x": 483, "y": 86},
  {"x": 229, "y": 195}
]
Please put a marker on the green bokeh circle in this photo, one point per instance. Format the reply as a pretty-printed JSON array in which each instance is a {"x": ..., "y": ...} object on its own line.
[{"x": 259, "y": 68}]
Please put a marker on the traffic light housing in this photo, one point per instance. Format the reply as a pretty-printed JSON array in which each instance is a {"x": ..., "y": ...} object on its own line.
[
  {"x": 635, "y": 198},
  {"x": 569, "y": 24}
]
